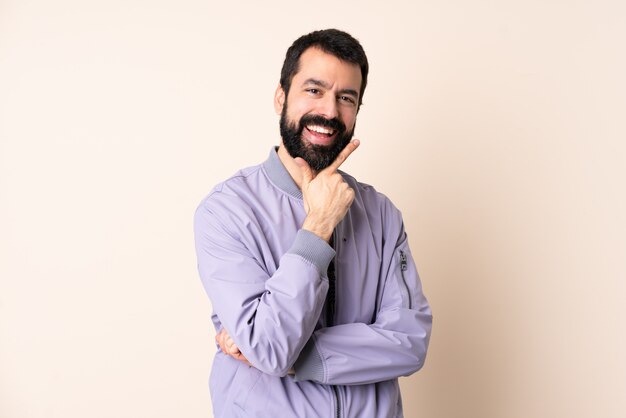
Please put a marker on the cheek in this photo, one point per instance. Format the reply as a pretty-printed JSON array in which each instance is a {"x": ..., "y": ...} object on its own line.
[
  {"x": 349, "y": 121},
  {"x": 299, "y": 108}
]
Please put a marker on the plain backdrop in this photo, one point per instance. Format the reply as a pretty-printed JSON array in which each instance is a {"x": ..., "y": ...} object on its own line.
[{"x": 497, "y": 127}]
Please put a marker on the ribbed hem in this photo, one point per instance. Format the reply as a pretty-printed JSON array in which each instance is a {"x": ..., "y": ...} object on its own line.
[
  {"x": 311, "y": 247},
  {"x": 309, "y": 365}
]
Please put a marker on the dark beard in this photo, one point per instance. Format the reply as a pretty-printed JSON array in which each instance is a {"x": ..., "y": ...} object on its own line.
[{"x": 317, "y": 156}]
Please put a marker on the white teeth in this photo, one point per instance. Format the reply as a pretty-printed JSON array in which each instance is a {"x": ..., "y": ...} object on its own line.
[{"x": 320, "y": 129}]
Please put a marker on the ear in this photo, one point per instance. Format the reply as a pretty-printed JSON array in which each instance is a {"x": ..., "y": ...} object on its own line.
[{"x": 279, "y": 99}]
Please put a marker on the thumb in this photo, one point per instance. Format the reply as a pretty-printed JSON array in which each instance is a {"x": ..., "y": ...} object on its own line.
[{"x": 305, "y": 169}]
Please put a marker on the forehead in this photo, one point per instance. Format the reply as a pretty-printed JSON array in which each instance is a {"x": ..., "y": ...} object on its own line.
[{"x": 319, "y": 65}]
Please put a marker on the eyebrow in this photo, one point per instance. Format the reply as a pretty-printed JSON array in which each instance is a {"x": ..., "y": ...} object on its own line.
[{"x": 325, "y": 85}]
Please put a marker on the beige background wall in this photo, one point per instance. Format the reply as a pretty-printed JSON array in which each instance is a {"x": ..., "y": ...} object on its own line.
[{"x": 497, "y": 127}]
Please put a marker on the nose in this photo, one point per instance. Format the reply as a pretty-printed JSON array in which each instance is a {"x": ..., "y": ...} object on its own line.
[{"x": 328, "y": 106}]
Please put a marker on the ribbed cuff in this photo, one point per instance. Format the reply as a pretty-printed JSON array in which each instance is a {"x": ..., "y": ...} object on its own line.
[
  {"x": 309, "y": 365},
  {"x": 311, "y": 247}
]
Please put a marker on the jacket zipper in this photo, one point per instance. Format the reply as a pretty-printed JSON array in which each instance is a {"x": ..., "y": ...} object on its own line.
[
  {"x": 403, "y": 268},
  {"x": 330, "y": 314},
  {"x": 337, "y": 403}
]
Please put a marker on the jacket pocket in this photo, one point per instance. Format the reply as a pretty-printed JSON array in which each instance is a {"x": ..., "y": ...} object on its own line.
[{"x": 402, "y": 280}]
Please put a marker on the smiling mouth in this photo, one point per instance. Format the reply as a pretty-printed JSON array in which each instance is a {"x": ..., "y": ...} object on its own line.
[{"x": 322, "y": 130}]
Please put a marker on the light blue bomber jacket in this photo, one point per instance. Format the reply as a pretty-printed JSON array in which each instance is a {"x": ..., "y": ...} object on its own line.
[{"x": 268, "y": 282}]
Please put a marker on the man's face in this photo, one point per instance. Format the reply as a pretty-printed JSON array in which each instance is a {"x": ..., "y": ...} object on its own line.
[{"x": 318, "y": 116}]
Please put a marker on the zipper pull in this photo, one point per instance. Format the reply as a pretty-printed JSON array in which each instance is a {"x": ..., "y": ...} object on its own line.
[{"x": 403, "y": 264}]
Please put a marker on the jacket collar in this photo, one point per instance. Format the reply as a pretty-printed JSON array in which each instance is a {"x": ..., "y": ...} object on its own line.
[{"x": 279, "y": 175}]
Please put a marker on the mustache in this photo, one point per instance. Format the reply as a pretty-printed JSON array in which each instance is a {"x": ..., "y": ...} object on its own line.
[{"x": 319, "y": 120}]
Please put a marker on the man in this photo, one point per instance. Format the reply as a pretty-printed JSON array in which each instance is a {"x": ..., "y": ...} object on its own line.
[{"x": 317, "y": 302}]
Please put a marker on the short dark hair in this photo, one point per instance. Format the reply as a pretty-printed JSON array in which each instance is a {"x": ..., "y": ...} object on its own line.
[{"x": 332, "y": 41}]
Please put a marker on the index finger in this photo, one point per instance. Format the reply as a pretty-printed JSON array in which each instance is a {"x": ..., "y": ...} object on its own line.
[{"x": 344, "y": 154}]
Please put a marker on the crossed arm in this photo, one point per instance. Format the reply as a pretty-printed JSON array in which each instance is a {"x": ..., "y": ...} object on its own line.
[{"x": 359, "y": 353}]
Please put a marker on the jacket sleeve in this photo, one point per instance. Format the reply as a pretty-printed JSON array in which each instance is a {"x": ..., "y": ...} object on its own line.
[
  {"x": 270, "y": 317},
  {"x": 394, "y": 345}
]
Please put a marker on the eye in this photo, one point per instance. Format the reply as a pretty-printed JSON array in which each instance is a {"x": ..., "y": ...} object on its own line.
[
  {"x": 313, "y": 91},
  {"x": 347, "y": 99}
]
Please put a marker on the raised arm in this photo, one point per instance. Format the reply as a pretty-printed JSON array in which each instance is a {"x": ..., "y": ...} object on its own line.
[{"x": 270, "y": 313}]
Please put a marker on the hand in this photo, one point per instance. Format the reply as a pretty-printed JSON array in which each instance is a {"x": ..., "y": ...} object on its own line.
[
  {"x": 327, "y": 197},
  {"x": 228, "y": 346}
]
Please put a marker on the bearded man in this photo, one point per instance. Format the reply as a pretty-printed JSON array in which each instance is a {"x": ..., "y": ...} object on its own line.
[{"x": 317, "y": 303}]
